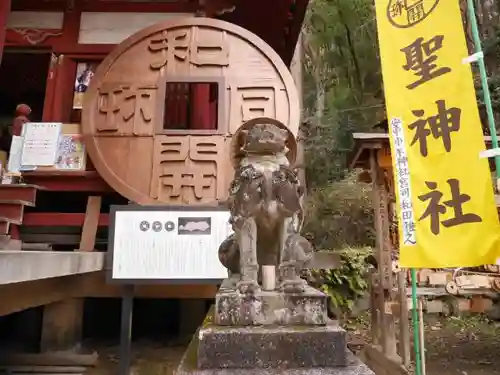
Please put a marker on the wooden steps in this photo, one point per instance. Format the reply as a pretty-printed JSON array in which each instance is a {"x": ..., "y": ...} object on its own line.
[
  {"x": 4, "y": 228},
  {"x": 23, "y": 192},
  {"x": 13, "y": 199}
]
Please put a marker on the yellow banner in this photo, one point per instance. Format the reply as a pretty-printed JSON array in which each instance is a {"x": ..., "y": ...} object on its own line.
[{"x": 447, "y": 212}]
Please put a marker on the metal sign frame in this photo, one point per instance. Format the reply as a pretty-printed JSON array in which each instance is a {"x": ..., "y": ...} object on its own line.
[{"x": 111, "y": 246}]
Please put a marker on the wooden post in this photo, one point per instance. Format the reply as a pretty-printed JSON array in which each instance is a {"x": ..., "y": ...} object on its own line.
[
  {"x": 62, "y": 326},
  {"x": 4, "y": 15},
  {"x": 62, "y": 321},
  {"x": 383, "y": 241},
  {"x": 90, "y": 224},
  {"x": 380, "y": 206},
  {"x": 375, "y": 321}
]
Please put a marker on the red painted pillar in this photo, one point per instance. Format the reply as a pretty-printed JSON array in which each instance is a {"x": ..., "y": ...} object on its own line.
[
  {"x": 200, "y": 106},
  {"x": 4, "y": 14}
]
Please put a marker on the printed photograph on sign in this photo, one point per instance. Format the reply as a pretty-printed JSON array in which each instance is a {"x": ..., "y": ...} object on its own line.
[
  {"x": 70, "y": 153},
  {"x": 84, "y": 73},
  {"x": 194, "y": 225}
]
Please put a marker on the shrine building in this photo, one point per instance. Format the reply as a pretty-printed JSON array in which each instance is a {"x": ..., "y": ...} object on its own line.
[{"x": 146, "y": 98}]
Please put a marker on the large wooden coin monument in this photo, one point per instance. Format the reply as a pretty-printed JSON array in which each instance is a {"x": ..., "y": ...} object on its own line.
[{"x": 126, "y": 125}]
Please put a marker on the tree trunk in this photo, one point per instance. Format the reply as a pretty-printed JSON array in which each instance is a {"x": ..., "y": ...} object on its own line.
[
  {"x": 467, "y": 26},
  {"x": 320, "y": 95}
]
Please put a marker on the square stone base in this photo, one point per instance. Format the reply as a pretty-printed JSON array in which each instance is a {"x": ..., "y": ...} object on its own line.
[
  {"x": 188, "y": 367},
  {"x": 269, "y": 308},
  {"x": 271, "y": 346}
]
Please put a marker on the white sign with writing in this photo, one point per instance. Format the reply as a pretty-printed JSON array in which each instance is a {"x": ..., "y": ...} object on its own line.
[
  {"x": 41, "y": 141},
  {"x": 402, "y": 176},
  {"x": 162, "y": 245},
  {"x": 16, "y": 149}
]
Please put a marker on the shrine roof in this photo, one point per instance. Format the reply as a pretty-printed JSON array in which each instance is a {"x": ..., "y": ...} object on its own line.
[{"x": 278, "y": 22}]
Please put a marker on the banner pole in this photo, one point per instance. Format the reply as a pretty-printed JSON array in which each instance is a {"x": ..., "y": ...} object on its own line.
[
  {"x": 484, "y": 82},
  {"x": 416, "y": 333}
]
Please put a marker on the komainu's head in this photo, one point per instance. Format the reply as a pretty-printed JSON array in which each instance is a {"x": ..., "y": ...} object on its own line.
[
  {"x": 264, "y": 136},
  {"x": 266, "y": 139}
]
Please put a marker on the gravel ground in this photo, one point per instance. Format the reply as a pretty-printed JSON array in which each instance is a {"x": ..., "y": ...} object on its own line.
[
  {"x": 466, "y": 346},
  {"x": 454, "y": 346},
  {"x": 149, "y": 358}
]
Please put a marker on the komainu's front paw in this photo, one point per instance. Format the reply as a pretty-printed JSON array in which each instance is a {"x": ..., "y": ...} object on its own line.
[
  {"x": 248, "y": 287},
  {"x": 293, "y": 286}
]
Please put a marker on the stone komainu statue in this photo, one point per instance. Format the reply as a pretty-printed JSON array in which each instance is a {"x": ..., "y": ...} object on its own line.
[{"x": 265, "y": 201}]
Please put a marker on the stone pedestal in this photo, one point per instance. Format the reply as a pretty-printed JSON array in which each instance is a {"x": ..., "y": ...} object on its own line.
[
  {"x": 267, "y": 308},
  {"x": 271, "y": 346},
  {"x": 270, "y": 333}
]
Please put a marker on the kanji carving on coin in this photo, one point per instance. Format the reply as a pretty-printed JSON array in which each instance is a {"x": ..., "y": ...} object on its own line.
[
  {"x": 212, "y": 50},
  {"x": 126, "y": 103},
  {"x": 169, "y": 45},
  {"x": 252, "y": 101},
  {"x": 186, "y": 168},
  {"x": 184, "y": 45}
]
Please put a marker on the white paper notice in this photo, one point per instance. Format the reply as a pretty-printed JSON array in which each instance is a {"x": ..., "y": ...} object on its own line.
[
  {"x": 16, "y": 149},
  {"x": 41, "y": 140},
  {"x": 149, "y": 245}
]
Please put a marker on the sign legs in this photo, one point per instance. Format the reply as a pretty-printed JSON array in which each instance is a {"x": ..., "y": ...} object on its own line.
[{"x": 126, "y": 330}]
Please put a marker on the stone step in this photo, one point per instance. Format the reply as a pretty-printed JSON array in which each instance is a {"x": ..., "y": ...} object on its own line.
[
  {"x": 270, "y": 346},
  {"x": 188, "y": 366},
  {"x": 269, "y": 308}
]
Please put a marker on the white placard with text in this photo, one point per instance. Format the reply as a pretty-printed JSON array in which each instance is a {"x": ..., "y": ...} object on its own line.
[
  {"x": 41, "y": 141},
  {"x": 163, "y": 245}
]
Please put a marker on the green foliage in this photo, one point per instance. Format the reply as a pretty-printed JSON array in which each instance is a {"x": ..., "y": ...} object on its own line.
[
  {"x": 340, "y": 215},
  {"x": 341, "y": 52},
  {"x": 342, "y": 95},
  {"x": 494, "y": 87},
  {"x": 346, "y": 284},
  {"x": 327, "y": 149},
  {"x": 342, "y": 83},
  {"x": 490, "y": 37}
]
